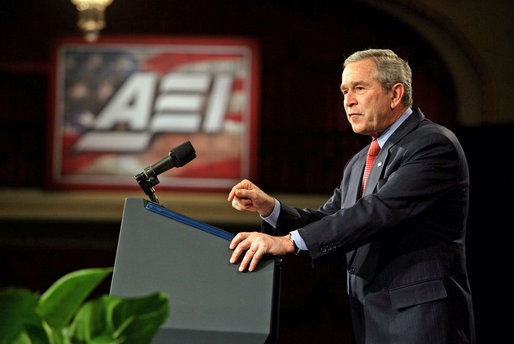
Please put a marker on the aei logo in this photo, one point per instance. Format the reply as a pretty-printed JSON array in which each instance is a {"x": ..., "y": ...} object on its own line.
[{"x": 145, "y": 105}]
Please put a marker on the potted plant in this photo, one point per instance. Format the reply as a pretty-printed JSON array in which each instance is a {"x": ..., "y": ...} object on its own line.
[{"x": 61, "y": 315}]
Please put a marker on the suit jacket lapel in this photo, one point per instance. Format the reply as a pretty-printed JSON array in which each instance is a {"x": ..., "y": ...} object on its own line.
[
  {"x": 378, "y": 167},
  {"x": 354, "y": 187}
]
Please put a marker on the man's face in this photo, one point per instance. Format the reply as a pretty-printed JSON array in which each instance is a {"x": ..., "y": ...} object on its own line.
[{"x": 366, "y": 102}]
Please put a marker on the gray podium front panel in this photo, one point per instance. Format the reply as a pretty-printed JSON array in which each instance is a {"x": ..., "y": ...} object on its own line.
[{"x": 210, "y": 300}]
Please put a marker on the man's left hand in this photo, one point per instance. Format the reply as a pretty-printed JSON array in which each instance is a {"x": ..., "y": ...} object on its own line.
[{"x": 257, "y": 245}]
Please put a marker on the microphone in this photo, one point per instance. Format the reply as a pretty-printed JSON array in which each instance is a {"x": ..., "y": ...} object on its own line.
[{"x": 177, "y": 157}]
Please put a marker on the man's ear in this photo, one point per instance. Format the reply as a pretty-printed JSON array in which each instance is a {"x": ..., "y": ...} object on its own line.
[{"x": 396, "y": 94}]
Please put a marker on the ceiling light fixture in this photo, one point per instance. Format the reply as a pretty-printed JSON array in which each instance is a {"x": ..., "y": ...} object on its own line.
[{"x": 91, "y": 17}]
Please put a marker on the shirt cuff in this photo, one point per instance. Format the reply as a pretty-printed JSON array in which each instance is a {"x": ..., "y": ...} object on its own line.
[
  {"x": 298, "y": 241},
  {"x": 272, "y": 218}
]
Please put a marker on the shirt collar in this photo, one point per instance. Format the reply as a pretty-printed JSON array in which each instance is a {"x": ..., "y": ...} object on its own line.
[{"x": 382, "y": 139}]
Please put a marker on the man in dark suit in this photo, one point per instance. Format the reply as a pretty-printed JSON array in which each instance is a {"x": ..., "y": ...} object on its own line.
[{"x": 399, "y": 215}]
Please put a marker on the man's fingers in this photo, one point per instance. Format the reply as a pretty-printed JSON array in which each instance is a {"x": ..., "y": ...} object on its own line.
[
  {"x": 239, "y": 244},
  {"x": 242, "y": 203},
  {"x": 242, "y": 185},
  {"x": 237, "y": 239},
  {"x": 232, "y": 192},
  {"x": 251, "y": 259},
  {"x": 255, "y": 259},
  {"x": 246, "y": 259},
  {"x": 244, "y": 193},
  {"x": 235, "y": 255}
]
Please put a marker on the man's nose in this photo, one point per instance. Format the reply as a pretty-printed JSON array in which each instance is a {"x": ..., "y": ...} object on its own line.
[{"x": 349, "y": 100}]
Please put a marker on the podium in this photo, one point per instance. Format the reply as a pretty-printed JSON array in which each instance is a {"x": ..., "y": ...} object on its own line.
[{"x": 210, "y": 301}]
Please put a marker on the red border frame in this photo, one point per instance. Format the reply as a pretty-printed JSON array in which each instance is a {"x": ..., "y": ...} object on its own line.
[{"x": 254, "y": 108}]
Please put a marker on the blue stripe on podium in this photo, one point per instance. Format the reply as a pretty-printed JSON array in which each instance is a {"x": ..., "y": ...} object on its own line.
[{"x": 189, "y": 221}]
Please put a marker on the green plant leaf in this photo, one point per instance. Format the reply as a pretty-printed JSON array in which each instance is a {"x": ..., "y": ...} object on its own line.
[
  {"x": 58, "y": 304},
  {"x": 147, "y": 314},
  {"x": 54, "y": 335},
  {"x": 36, "y": 334},
  {"x": 23, "y": 338},
  {"x": 117, "y": 320},
  {"x": 17, "y": 312},
  {"x": 92, "y": 320}
]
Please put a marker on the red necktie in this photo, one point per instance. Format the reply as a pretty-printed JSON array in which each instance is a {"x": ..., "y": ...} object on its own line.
[{"x": 372, "y": 155}]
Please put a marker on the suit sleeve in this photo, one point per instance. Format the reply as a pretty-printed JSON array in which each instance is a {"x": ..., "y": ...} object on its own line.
[
  {"x": 292, "y": 218},
  {"x": 422, "y": 174}
]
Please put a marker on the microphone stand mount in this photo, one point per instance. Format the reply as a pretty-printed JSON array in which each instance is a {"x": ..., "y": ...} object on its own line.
[{"x": 147, "y": 180}]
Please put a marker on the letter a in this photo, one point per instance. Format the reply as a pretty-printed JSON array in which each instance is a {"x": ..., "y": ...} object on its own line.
[{"x": 131, "y": 105}]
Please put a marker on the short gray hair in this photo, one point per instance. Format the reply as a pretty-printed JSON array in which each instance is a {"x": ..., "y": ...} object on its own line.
[{"x": 390, "y": 70}]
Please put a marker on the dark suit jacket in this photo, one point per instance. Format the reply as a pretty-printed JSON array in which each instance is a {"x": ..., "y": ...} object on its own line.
[{"x": 403, "y": 239}]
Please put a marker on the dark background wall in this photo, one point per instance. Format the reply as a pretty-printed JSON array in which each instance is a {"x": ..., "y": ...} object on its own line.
[{"x": 304, "y": 138}]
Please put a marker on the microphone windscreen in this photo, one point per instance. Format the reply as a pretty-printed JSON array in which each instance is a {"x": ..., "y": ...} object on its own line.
[{"x": 183, "y": 153}]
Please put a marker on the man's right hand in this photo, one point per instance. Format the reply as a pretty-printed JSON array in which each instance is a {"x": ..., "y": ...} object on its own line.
[{"x": 247, "y": 196}]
